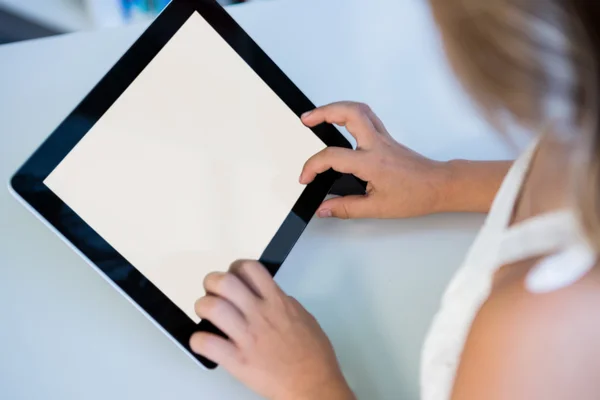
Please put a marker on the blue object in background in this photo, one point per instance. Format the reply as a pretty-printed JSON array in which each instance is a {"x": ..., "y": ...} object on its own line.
[
  {"x": 131, "y": 8},
  {"x": 160, "y": 4}
]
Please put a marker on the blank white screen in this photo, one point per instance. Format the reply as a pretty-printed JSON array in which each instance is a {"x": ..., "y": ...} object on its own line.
[{"x": 194, "y": 166}]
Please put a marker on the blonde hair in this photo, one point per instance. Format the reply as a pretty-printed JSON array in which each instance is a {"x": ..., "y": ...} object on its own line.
[{"x": 534, "y": 61}]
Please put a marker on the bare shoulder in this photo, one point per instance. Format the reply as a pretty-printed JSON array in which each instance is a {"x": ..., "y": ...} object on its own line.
[{"x": 524, "y": 345}]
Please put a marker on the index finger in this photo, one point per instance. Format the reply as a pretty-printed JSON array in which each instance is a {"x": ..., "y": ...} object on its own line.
[
  {"x": 354, "y": 116},
  {"x": 339, "y": 159},
  {"x": 255, "y": 276}
]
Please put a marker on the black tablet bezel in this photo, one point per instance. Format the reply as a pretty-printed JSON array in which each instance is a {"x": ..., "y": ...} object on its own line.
[{"x": 28, "y": 181}]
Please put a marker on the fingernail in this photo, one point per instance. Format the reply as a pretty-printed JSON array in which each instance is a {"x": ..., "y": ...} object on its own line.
[
  {"x": 301, "y": 179},
  {"x": 325, "y": 214},
  {"x": 306, "y": 114}
]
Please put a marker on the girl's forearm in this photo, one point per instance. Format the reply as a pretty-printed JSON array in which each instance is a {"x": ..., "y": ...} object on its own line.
[{"x": 471, "y": 186}]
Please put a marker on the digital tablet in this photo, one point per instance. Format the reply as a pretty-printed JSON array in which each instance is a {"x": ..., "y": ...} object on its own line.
[{"x": 184, "y": 157}]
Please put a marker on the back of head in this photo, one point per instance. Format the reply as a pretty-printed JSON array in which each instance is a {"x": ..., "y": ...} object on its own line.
[{"x": 539, "y": 63}]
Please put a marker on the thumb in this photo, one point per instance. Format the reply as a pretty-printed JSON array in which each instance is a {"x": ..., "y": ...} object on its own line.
[{"x": 347, "y": 207}]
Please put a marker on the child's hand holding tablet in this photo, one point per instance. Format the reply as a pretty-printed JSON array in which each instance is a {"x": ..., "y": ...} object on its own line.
[{"x": 275, "y": 346}]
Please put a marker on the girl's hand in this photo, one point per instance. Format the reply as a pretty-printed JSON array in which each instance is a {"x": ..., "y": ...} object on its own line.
[
  {"x": 275, "y": 346},
  {"x": 401, "y": 182}
]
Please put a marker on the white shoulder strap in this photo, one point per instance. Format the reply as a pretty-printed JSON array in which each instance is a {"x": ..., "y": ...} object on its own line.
[{"x": 557, "y": 235}]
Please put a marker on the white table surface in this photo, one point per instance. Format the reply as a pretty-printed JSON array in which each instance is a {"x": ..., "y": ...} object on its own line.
[{"x": 374, "y": 285}]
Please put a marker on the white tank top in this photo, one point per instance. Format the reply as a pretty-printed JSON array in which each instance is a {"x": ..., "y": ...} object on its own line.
[{"x": 498, "y": 244}]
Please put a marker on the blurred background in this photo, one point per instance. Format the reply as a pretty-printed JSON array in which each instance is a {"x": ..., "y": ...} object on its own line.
[{"x": 31, "y": 19}]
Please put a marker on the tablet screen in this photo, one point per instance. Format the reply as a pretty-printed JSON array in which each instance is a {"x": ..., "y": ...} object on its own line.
[{"x": 194, "y": 166}]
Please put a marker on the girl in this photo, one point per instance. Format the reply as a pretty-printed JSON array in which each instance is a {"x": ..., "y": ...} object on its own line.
[{"x": 520, "y": 319}]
